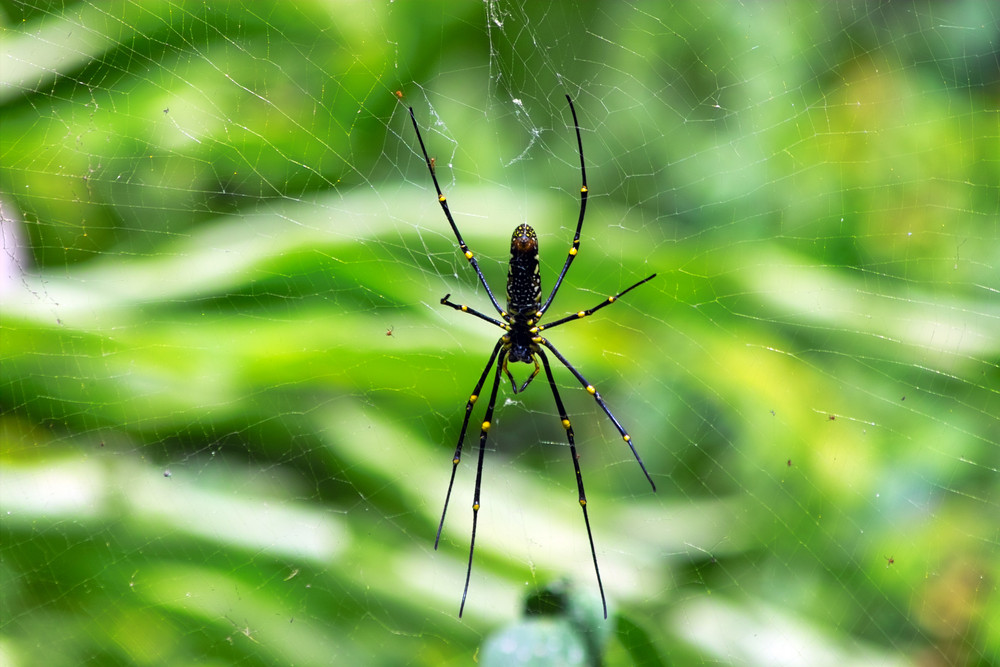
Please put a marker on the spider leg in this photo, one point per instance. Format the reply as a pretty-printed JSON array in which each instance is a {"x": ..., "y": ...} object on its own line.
[
  {"x": 479, "y": 474},
  {"x": 587, "y": 313},
  {"x": 451, "y": 221},
  {"x": 461, "y": 436},
  {"x": 600, "y": 401},
  {"x": 472, "y": 311},
  {"x": 575, "y": 248},
  {"x": 579, "y": 477}
]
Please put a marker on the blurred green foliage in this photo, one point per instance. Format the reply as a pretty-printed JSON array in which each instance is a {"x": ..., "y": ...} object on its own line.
[{"x": 229, "y": 395}]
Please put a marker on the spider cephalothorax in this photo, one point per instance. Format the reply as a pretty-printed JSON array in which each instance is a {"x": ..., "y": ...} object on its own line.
[{"x": 522, "y": 342}]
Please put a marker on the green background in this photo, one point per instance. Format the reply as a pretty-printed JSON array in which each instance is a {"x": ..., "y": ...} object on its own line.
[{"x": 230, "y": 396}]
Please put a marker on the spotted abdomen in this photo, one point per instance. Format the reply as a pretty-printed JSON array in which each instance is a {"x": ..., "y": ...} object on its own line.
[{"x": 524, "y": 286}]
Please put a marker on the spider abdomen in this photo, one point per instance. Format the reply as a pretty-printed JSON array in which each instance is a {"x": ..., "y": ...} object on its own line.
[{"x": 524, "y": 285}]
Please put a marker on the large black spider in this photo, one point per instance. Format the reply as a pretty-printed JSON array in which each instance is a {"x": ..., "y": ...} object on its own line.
[{"x": 522, "y": 342}]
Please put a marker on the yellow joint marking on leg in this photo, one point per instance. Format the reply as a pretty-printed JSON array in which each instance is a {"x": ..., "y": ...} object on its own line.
[
  {"x": 572, "y": 251},
  {"x": 536, "y": 339},
  {"x": 583, "y": 189},
  {"x": 486, "y": 426},
  {"x": 611, "y": 299},
  {"x": 465, "y": 308},
  {"x": 441, "y": 198},
  {"x": 475, "y": 507},
  {"x": 565, "y": 424},
  {"x": 473, "y": 398},
  {"x": 583, "y": 501},
  {"x": 626, "y": 437},
  {"x": 468, "y": 254},
  {"x": 581, "y": 314},
  {"x": 454, "y": 461},
  {"x": 590, "y": 388}
]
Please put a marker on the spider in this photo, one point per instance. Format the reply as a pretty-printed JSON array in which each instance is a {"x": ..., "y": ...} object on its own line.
[{"x": 522, "y": 341}]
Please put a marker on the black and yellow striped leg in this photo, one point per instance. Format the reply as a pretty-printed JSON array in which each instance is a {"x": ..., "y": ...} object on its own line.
[
  {"x": 579, "y": 476},
  {"x": 461, "y": 436},
  {"x": 600, "y": 401},
  {"x": 472, "y": 311},
  {"x": 451, "y": 221},
  {"x": 487, "y": 420},
  {"x": 574, "y": 249},
  {"x": 587, "y": 313}
]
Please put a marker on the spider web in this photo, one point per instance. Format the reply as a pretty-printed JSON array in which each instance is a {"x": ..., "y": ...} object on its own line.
[{"x": 230, "y": 395}]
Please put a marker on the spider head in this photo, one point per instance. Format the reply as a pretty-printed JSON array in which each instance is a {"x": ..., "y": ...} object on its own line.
[
  {"x": 520, "y": 343},
  {"x": 526, "y": 355},
  {"x": 520, "y": 352}
]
